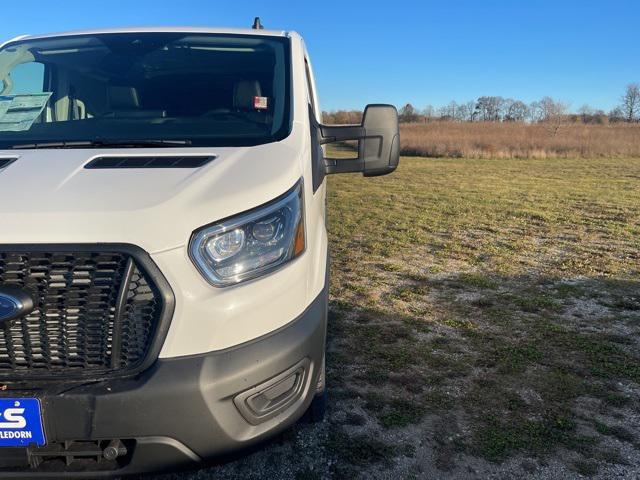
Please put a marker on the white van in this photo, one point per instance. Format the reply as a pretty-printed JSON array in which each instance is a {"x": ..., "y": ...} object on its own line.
[{"x": 163, "y": 246}]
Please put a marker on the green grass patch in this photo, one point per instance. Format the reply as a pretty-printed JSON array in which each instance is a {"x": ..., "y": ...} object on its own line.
[
  {"x": 453, "y": 292},
  {"x": 535, "y": 303},
  {"x": 477, "y": 280},
  {"x": 458, "y": 323},
  {"x": 588, "y": 468},
  {"x": 617, "y": 431},
  {"x": 360, "y": 450},
  {"x": 402, "y": 412}
]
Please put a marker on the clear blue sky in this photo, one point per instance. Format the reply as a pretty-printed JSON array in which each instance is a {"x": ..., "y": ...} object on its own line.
[{"x": 423, "y": 52}]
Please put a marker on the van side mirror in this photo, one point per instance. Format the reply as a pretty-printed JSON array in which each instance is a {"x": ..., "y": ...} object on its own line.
[{"x": 378, "y": 142}]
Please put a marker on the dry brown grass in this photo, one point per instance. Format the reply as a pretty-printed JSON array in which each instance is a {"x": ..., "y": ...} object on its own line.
[{"x": 514, "y": 140}]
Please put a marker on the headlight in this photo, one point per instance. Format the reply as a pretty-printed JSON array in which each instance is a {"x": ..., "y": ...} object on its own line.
[{"x": 251, "y": 244}]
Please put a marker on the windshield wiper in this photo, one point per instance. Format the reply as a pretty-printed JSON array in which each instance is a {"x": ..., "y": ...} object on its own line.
[
  {"x": 28, "y": 146},
  {"x": 141, "y": 143},
  {"x": 105, "y": 143}
]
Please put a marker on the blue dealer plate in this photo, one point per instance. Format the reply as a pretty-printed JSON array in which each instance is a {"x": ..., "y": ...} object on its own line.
[{"x": 20, "y": 422}]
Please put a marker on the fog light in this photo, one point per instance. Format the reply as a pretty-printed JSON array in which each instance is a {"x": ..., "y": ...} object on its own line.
[{"x": 273, "y": 397}]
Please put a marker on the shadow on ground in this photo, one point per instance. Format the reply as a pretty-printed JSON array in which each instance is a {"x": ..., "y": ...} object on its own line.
[{"x": 490, "y": 375}]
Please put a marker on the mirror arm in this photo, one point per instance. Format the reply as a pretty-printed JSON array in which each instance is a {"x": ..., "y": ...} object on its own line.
[
  {"x": 333, "y": 133},
  {"x": 343, "y": 165}
]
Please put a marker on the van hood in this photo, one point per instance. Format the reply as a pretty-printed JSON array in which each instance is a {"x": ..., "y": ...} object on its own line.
[{"x": 47, "y": 196}]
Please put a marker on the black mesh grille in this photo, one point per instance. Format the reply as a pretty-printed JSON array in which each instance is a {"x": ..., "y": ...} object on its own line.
[{"x": 95, "y": 312}]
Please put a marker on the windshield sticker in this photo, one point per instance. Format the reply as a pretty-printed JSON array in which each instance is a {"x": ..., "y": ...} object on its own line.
[
  {"x": 18, "y": 112},
  {"x": 261, "y": 103}
]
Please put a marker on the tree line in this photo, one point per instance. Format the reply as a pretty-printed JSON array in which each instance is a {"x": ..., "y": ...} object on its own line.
[{"x": 499, "y": 109}]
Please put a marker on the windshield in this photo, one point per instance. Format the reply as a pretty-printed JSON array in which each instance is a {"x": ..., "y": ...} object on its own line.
[{"x": 137, "y": 89}]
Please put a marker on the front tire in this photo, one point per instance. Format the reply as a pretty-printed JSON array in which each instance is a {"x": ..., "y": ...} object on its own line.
[{"x": 318, "y": 409}]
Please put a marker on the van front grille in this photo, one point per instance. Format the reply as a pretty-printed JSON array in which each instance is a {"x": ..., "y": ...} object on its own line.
[{"x": 95, "y": 312}]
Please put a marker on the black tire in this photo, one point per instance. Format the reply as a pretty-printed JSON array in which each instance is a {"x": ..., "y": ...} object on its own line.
[{"x": 318, "y": 408}]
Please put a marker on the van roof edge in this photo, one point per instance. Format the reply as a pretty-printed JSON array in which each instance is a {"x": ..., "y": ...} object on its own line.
[{"x": 160, "y": 29}]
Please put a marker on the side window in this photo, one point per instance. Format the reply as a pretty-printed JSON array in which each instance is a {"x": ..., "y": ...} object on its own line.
[{"x": 27, "y": 78}]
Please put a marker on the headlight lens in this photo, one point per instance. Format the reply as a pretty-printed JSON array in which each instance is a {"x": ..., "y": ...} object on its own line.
[{"x": 253, "y": 243}]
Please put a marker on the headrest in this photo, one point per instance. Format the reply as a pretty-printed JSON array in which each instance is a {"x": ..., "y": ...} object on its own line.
[
  {"x": 123, "y": 98},
  {"x": 244, "y": 93}
]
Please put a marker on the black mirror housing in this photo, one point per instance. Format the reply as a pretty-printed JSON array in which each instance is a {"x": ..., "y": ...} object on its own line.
[
  {"x": 378, "y": 142},
  {"x": 380, "y": 148}
]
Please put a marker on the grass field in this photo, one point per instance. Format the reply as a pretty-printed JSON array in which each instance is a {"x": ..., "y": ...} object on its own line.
[
  {"x": 557, "y": 139},
  {"x": 485, "y": 321}
]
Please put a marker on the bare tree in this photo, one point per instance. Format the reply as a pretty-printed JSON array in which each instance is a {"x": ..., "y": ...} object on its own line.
[
  {"x": 408, "y": 114},
  {"x": 631, "y": 102},
  {"x": 466, "y": 111},
  {"x": 506, "y": 107},
  {"x": 515, "y": 111},
  {"x": 553, "y": 114},
  {"x": 585, "y": 112},
  {"x": 588, "y": 114},
  {"x": 535, "y": 112},
  {"x": 444, "y": 113},
  {"x": 452, "y": 110},
  {"x": 489, "y": 109},
  {"x": 616, "y": 115},
  {"x": 429, "y": 113},
  {"x": 547, "y": 109}
]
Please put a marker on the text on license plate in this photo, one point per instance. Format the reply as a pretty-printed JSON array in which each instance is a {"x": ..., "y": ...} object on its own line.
[{"x": 20, "y": 422}]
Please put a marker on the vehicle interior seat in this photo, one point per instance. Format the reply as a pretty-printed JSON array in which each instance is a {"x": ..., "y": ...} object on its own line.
[
  {"x": 124, "y": 101},
  {"x": 244, "y": 93}
]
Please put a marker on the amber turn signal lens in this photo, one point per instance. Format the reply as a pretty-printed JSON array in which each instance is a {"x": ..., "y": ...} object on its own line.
[{"x": 299, "y": 245}]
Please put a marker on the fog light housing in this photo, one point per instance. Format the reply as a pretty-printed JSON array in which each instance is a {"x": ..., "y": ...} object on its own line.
[{"x": 273, "y": 397}]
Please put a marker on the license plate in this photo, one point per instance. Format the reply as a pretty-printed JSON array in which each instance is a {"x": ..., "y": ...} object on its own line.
[{"x": 20, "y": 422}]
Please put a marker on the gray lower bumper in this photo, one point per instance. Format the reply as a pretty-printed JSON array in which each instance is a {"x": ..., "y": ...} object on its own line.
[{"x": 183, "y": 411}]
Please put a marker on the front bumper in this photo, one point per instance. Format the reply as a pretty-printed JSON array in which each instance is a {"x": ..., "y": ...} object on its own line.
[{"x": 183, "y": 411}]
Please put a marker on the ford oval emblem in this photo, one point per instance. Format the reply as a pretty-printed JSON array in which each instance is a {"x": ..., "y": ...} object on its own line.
[
  {"x": 9, "y": 306},
  {"x": 14, "y": 303}
]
